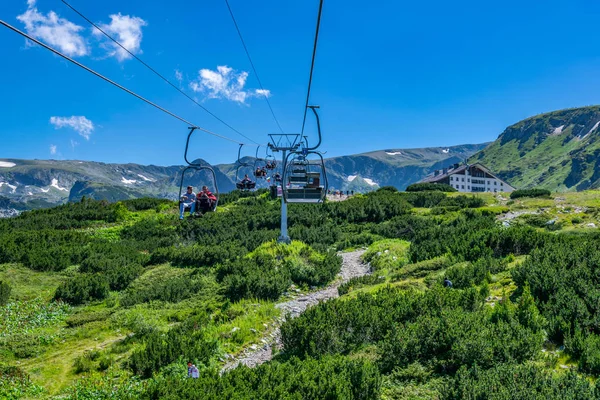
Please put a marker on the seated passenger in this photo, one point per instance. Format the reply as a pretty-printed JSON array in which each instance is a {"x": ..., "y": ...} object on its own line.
[
  {"x": 188, "y": 200},
  {"x": 206, "y": 200}
]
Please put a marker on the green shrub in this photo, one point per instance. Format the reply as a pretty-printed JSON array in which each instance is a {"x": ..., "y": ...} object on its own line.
[
  {"x": 16, "y": 384},
  {"x": 4, "y": 292},
  {"x": 83, "y": 318},
  {"x": 82, "y": 288},
  {"x": 430, "y": 187},
  {"x": 509, "y": 381},
  {"x": 358, "y": 282},
  {"x": 188, "y": 341},
  {"x": 83, "y": 363},
  {"x": 327, "y": 378},
  {"x": 530, "y": 193}
]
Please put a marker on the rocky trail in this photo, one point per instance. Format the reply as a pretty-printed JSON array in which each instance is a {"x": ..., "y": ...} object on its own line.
[{"x": 352, "y": 267}]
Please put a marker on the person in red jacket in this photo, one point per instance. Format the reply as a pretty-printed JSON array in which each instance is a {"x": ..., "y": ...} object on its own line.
[{"x": 206, "y": 200}]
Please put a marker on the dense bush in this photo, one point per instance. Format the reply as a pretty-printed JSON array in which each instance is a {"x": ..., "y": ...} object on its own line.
[
  {"x": 171, "y": 290},
  {"x": 327, "y": 378},
  {"x": 440, "y": 328},
  {"x": 146, "y": 203},
  {"x": 358, "y": 282},
  {"x": 518, "y": 382},
  {"x": 4, "y": 292},
  {"x": 564, "y": 276},
  {"x": 82, "y": 288},
  {"x": 197, "y": 256},
  {"x": 187, "y": 341},
  {"x": 530, "y": 193},
  {"x": 430, "y": 187}
]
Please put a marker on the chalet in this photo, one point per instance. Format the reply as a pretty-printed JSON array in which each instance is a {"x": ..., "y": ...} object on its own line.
[{"x": 469, "y": 178}]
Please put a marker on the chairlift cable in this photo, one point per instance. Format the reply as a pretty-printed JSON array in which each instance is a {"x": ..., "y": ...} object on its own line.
[
  {"x": 156, "y": 72},
  {"x": 312, "y": 66},
  {"x": 115, "y": 83},
  {"x": 252, "y": 64}
]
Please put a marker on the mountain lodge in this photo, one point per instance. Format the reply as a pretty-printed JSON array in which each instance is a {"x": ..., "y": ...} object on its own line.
[{"x": 469, "y": 178}]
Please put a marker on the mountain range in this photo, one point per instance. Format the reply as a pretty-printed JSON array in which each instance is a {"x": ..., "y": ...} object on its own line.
[
  {"x": 558, "y": 150},
  {"x": 29, "y": 184}
]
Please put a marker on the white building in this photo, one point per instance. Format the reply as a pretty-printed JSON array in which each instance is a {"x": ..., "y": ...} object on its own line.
[{"x": 469, "y": 178}]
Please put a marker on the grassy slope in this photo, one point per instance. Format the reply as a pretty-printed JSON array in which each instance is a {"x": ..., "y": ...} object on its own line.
[
  {"x": 537, "y": 157},
  {"x": 53, "y": 367}
]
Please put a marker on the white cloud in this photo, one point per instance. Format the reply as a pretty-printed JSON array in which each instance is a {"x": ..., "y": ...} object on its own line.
[
  {"x": 178, "y": 75},
  {"x": 54, "y": 31},
  {"x": 225, "y": 83},
  {"x": 80, "y": 124},
  {"x": 73, "y": 144},
  {"x": 263, "y": 92},
  {"x": 52, "y": 149},
  {"x": 127, "y": 31}
]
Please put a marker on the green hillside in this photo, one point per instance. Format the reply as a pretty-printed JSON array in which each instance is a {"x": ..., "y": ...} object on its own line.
[
  {"x": 106, "y": 300},
  {"x": 558, "y": 151}
]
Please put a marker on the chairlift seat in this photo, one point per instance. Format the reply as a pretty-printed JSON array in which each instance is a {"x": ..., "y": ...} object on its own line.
[{"x": 304, "y": 195}]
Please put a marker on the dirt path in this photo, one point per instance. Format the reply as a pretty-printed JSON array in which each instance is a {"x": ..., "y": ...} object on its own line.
[{"x": 255, "y": 355}]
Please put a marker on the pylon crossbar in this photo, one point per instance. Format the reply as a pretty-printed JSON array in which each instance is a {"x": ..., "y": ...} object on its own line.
[{"x": 284, "y": 141}]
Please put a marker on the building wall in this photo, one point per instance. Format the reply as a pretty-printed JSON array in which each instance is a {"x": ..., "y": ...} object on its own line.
[{"x": 480, "y": 183}]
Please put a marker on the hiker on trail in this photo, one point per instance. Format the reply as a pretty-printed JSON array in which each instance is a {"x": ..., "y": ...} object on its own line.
[
  {"x": 188, "y": 200},
  {"x": 193, "y": 371},
  {"x": 447, "y": 283}
]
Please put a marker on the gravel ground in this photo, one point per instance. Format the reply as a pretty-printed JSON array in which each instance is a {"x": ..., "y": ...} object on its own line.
[{"x": 256, "y": 354}]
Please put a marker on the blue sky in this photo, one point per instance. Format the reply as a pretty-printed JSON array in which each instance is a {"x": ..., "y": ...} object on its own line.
[{"x": 388, "y": 75}]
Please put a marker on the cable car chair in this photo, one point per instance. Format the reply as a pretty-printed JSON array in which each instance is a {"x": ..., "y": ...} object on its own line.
[
  {"x": 197, "y": 167},
  {"x": 259, "y": 172},
  {"x": 242, "y": 185},
  {"x": 305, "y": 181}
]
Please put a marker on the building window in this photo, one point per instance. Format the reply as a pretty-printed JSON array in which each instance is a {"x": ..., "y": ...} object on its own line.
[
  {"x": 468, "y": 179},
  {"x": 468, "y": 187},
  {"x": 463, "y": 186},
  {"x": 495, "y": 183},
  {"x": 451, "y": 178},
  {"x": 488, "y": 182},
  {"x": 463, "y": 179},
  {"x": 501, "y": 184}
]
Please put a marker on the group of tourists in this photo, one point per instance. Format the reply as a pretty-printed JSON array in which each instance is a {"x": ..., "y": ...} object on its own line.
[{"x": 198, "y": 204}]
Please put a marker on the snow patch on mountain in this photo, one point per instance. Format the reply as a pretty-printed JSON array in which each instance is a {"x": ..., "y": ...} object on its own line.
[
  {"x": 45, "y": 190},
  {"x": 54, "y": 184},
  {"x": 394, "y": 153},
  {"x": 351, "y": 177},
  {"x": 558, "y": 130},
  {"x": 370, "y": 182},
  {"x": 6, "y": 164},
  {"x": 146, "y": 179},
  {"x": 14, "y": 188},
  {"x": 445, "y": 151},
  {"x": 127, "y": 181}
]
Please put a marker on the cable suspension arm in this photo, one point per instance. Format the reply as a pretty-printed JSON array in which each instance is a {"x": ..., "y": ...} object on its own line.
[{"x": 312, "y": 65}]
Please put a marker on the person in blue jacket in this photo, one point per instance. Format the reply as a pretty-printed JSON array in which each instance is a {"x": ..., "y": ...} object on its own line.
[{"x": 187, "y": 200}]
